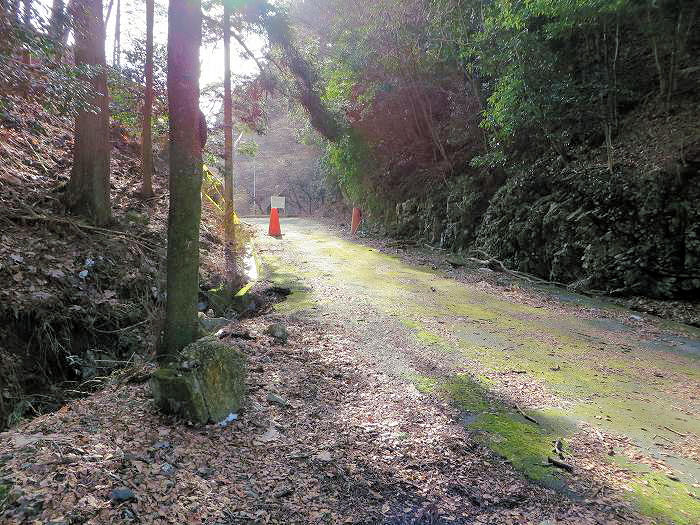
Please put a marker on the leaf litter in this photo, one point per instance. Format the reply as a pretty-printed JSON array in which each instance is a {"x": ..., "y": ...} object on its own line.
[{"x": 350, "y": 445}]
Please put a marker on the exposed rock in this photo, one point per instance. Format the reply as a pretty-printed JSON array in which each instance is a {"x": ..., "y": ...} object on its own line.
[
  {"x": 122, "y": 494},
  {"x": 204, "y": 383},
  {"x": 212, "y": 324},
  {"x": 229, "y": 419},
  {"x": 456, "y": 261},
  {"x": 278, "y": 332},
  {"x": 274, "y": 398},
  {"x": 324, "y": 456},
  {"x": 270, "y": 435},
  {"x": 205, "y": 472}
]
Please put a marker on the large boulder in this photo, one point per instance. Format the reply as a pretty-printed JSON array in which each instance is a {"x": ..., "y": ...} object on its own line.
[{"x": 205, "y": 383}]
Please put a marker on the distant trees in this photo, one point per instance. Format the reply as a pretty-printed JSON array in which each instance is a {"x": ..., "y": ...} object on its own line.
[
  {"x": 88, "y": 188},
  {"x": 184, "y": 38}
]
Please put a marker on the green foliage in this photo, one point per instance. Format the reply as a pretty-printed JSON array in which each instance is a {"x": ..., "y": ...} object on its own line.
[
  {"x": 124, "y": 102},
  {"x": 4, "y": 491},
  {"x": 249, "y": 148},
  {"x": 127, "y": 91},
  {"x": 347, "y": 162},
  {"x": 60, "y": 87}
]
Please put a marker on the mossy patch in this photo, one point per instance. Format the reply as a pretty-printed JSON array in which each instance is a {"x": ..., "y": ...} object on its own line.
[
  {"x": 204, "y": 383},
  {"x": 296, "y": 301},
  {"x": 508, "y": 434},
  {"x": 660, "y": 497},
  {"x": 277, "y": 273},
  {"x": 524, "y": 444},
  {"x": 224, "y": 302}
]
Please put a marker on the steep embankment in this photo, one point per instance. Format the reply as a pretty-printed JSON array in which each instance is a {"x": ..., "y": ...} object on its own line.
[
  {"x": 633, "y": 231},
  {"x": 77, "y": 301}
]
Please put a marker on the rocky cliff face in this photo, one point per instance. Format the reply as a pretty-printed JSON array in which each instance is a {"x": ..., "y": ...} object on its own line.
[{"x": 633, "y": 231}]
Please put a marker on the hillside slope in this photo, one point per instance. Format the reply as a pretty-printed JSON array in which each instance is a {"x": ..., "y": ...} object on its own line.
[{"x": 77, "y": 301}]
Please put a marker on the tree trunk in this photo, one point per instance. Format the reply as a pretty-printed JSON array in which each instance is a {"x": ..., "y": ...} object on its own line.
[
  {"x": 184, "y": 38},
  {"x": 58, "y": 20},
  {"x": 147, "y": 137},
  {"x": 14, "y": 11},
  {"x": 27, "y": 21},
  {"x": 88, "y": 189},
  {"x": 109, "y": 12},
  {"x": 228, "y": 131},
  {"x": 26, "y": 55},
  {"x": 116, "y": 52},
  {"x": 234, "y": 279}
]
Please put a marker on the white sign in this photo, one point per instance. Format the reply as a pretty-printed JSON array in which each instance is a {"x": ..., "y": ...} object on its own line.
[{"x": 277, "y": 202}]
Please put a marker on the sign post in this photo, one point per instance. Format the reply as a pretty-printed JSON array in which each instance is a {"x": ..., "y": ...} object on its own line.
[{"x": 277, "y": 202}]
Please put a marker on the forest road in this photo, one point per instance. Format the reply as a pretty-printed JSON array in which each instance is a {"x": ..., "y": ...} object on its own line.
[{"x": 616, "y": 392}]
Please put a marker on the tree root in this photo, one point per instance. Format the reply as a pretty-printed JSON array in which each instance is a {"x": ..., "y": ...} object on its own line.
[
  {"x": 560, "y": 464},
  {"x": 529, "y": 418}
]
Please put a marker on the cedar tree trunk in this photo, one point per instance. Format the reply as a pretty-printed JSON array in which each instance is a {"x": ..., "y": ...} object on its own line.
[
  {"x": 88, "y": 189},
  {"x": 233, "y": 260},
  {"x": 184, "y": 38},
  {"x": 147, "y": 137}
]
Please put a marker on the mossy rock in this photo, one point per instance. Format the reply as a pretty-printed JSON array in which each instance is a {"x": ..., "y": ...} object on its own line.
[
  {"x": 205, "y": 383},
  {"x": 226, "y": 303}
]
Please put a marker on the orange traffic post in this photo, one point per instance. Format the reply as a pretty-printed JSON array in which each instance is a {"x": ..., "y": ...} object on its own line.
[
  {"x": 275, "y": 230},
  {"x": 356, "y": 219}
]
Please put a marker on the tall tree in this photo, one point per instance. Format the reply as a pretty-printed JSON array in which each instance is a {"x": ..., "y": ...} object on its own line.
[
  {"x": 117, "y": 51},
  {"x": 184, "y": 39},
  {"x": 88, "y": 189},
  {"x": 233, "y": 273},
  {"x": 27, "y": 23},
  {"x": 147, "y": 136},
  {"x": 57, "y": 23},
  {"x": 228, "y": 127}
]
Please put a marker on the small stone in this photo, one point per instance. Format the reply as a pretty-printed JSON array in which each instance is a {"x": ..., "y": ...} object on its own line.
[
  {"x": 324, "y": 456},
  {"x": 122, "y": 494},
  {"x": 161, "y": 445},
  {"x": 167, "y": 469},
  {"x": 205, "y": 472},
  {"x": 274, "y": 398},
  {"x": 213, "y": 324},
  {"x": 278, "y": 332},
  {"x": 269, "y": 436},
  {"x": 282, "y": 490}
]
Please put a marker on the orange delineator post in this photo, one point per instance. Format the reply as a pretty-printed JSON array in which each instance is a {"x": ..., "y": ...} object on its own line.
[
  {"x": 275, "y": 230},
  {"x": 356, "y": 219}
]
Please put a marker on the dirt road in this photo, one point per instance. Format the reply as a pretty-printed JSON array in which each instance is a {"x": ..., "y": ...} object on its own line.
[{"x": 537, "y": 376}]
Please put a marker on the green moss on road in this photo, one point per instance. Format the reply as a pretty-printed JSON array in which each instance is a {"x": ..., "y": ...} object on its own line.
[
  {"x": 276, "y": 272},
  {"x": 609, "y": 372}
]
